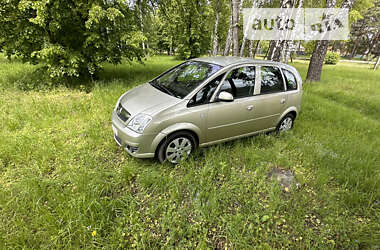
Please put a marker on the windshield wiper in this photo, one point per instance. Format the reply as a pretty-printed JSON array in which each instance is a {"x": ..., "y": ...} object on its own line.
[{"x": 162, "y": 88}]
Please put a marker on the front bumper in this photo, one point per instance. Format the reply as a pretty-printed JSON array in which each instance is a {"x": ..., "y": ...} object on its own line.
[{"x": 137, "y": 145}]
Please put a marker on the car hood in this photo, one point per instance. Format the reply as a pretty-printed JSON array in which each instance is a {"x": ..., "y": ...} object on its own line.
[{"x": 147, "y": 99}]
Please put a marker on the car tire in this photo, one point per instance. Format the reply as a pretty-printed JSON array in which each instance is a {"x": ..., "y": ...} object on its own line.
[
  {"x": 286, "y": 123},
  {"x": 176, "y": 147}
]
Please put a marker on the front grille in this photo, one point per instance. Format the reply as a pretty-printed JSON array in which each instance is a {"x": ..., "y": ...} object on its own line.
[{"x": 122, "y": 113}]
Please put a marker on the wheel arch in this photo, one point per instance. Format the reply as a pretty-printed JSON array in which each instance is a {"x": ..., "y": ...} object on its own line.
[
  {"x": 290, "y": 110},
  {"x": 181, "y": 127}
]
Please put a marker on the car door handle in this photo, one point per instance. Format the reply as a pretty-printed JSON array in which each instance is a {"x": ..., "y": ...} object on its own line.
[
  {"x": 283, "y": 101},
  {"x": 250, "y": 107}
]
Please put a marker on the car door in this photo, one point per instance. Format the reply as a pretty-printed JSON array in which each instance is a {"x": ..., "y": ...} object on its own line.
[
  {"x": 292, "y": 89},
  {"x": 270, "y": 102},
  {"x": 231, "y": 119},
  {"x": 198, "y": 106}
]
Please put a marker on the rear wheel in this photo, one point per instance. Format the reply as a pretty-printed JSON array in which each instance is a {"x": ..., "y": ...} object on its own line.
[
  {"x": 177, "y": 147},
  {"x": 286, "y": 123}
]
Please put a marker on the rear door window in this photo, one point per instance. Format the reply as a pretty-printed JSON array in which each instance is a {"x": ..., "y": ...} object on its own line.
[{"x": 271, "y": 80}]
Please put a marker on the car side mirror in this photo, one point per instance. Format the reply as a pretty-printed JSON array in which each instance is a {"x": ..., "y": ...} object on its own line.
[{"x": 225, "y": 97}]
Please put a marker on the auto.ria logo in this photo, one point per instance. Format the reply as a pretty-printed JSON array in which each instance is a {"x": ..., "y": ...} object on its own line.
[{"x": 295, "y": 24}]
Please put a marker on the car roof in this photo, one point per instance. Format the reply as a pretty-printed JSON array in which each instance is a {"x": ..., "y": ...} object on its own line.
[{"x": 233, "y": 60}]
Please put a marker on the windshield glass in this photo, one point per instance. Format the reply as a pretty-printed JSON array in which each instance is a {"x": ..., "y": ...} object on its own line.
[{"x": 180, "y": 81}]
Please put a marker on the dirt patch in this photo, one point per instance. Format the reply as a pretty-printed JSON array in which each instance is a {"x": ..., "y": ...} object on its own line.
[{"x": 285, "y": 177}]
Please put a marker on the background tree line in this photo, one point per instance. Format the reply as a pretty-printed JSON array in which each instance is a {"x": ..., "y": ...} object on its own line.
[{"x": 72, "y": 38}]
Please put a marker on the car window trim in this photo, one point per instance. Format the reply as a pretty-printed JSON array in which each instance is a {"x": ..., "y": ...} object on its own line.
[{"x": 217, "y": 90}]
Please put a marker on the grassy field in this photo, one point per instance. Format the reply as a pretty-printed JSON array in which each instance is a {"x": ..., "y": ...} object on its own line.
[{"x": 65, "y": 184}]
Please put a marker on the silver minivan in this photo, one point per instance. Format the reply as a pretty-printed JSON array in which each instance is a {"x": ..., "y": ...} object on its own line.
[{"x": 205, "y": 101}]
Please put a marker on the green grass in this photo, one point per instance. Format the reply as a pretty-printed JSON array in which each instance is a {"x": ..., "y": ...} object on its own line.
[{"x": 62, "y": 177}]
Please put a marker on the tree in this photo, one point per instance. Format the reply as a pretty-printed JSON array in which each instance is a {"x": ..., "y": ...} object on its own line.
[
  {"x": 71, "y": 38},
  {"x": 223, "y": 9},
  {"x": 316, "y": 62},
  {"x": 370, "y": 24},
  {"x": 235, "y": 27},
  {"x": 167, "y": 29},
  {"x": 215, "y": 38},
  {"x": 189, "y": 21},
  {"x": 228, "y": 42}
]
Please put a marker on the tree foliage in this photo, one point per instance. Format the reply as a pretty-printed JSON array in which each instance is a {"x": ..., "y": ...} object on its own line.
[
  {"x": 365, "y": 32},
  {"x": 186, "y": 23},
  {"x": 71, "y": 38}
]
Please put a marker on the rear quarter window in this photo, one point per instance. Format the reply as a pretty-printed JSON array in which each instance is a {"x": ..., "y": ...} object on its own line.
[{"x": 290, "y": 79}]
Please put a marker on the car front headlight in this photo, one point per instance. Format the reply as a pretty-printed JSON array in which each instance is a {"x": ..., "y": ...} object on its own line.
[{"x": 139, "y": 123}]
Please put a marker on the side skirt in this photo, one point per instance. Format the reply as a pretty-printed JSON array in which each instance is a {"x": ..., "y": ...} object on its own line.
[{"x": 236, "y": 137}]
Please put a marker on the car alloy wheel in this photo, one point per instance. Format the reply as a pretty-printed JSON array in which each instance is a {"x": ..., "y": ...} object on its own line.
[
  {"x": 286, "y": 123},
  {"x": 178, "y": 149}
]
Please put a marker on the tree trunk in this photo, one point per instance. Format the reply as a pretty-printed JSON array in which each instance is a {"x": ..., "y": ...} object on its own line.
[
  {"x": 215, "y": 40},
  {"x": 250, "y": 53},
  {"x": 377, "y": 63},
  {"x": 141, "y": 24},
  {"x": 320, "y": 49},
  {"x": 316, "y": 62},
  {"x": 372, "y": 44},
  {"x": 269, "y": 54},
  {"x": 256, "y": 48},
  {"x": 255, "y": 4},
  {"x": 353, "y": 52},
  {"x": 235, "y": 27},
  {"x": 227, "y": 46},
  {"x": 278, "y": 47},
  {"x": 242, "y": 46},
  {"x": 147, "y": 49},
  {"x": 286, "y": 52},
  {"x": 171, "y": 47}
]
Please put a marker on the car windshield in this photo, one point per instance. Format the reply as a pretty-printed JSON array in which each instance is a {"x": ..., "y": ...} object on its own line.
[{"x": 183, "y": 79}]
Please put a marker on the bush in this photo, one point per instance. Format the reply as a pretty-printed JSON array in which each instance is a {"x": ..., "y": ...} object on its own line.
[{"x": 332, "y": 58}]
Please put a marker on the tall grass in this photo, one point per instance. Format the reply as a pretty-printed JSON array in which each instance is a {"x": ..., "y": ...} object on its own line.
[{"x": 65, "y": 184}]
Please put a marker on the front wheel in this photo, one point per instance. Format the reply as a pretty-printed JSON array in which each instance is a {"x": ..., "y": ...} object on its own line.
[
  {"x": 176, "y": 148},
  {"x": 286, "y": 123}
]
